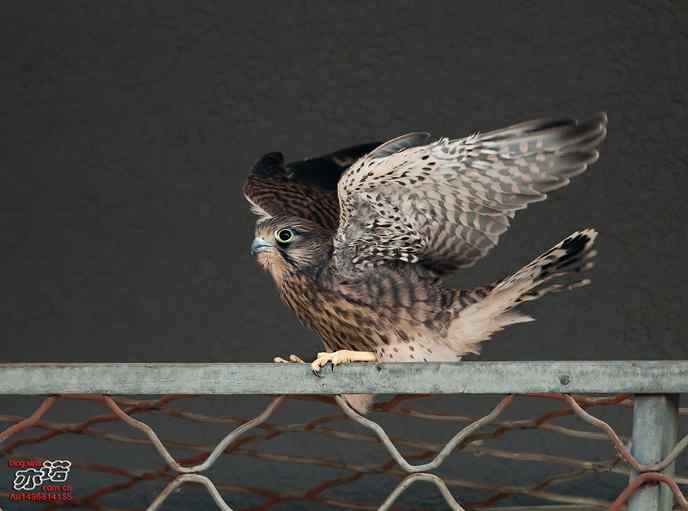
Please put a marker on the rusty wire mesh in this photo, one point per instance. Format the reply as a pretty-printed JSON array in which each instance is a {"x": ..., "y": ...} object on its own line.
[{"x": 247, "y": 434}]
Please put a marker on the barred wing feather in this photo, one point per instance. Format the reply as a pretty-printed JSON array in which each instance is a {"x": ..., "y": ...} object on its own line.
[
  {"x": 306, "y": 188},
  {"x": 445, "y": 204}
]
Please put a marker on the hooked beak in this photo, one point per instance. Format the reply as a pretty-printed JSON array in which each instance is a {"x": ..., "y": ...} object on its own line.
[{"x": 260, "y": 245}]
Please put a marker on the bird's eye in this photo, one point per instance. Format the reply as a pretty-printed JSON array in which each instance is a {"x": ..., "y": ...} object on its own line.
[{"x": 284, "y": 235}]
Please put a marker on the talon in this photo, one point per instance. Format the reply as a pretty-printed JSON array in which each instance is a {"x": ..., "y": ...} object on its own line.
[{"x": 340, "y": 357}]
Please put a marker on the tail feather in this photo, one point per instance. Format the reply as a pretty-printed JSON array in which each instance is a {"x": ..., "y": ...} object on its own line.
[{"x": 563, "y": 262}]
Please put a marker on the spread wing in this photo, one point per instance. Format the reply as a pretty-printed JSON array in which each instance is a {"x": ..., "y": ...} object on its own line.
[
  {"x": 445, "y": 204},
  {"x": 306, "y": 188}
]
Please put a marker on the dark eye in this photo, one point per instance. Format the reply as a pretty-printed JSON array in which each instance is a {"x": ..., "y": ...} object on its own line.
[{"x": 284, "y": 236}]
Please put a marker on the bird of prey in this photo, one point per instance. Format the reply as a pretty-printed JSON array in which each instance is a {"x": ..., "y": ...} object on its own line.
[{"x": 358, "y": 241}]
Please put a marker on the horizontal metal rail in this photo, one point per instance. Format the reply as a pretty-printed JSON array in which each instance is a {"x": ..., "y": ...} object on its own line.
[
  {"x": 650, "y": 460},
  {"x": 613, "y": 377}
]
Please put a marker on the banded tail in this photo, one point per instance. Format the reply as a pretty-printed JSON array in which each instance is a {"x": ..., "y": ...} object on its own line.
[{"x": 557, "y": 269}]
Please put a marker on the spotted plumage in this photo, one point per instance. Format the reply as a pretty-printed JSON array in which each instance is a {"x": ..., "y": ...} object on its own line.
[{"x": 358, "y": 241}]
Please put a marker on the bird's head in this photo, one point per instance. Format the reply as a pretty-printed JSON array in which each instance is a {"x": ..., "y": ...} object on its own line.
[{"x": 284, "y": 245}]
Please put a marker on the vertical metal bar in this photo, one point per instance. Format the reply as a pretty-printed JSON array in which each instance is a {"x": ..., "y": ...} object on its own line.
[
  {"x": 655, "y": 426},
  {"x": 670, "y": 437}
]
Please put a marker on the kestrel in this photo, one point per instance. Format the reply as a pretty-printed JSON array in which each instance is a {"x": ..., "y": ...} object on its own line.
[{"x": 358, "y": 241}]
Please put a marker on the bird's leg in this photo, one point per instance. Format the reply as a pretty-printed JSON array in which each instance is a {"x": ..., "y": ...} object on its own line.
[
  {"x": 292, "y": 358},
  {"x": 341, "y": 357}
]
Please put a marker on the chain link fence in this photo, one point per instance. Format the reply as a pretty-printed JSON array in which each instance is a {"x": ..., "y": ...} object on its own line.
[{"x": 645, "y": 459}]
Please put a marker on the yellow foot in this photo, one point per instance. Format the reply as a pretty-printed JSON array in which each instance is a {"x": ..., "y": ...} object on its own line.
[
  {"x": 340, "y": 357},
  {"x": 292, "y": 358}
]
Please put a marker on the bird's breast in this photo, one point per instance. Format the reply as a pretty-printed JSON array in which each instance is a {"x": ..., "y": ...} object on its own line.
[{"x": 359, "y": 317}]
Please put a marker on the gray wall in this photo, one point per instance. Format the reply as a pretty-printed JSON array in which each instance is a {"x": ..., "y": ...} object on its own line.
[{"x": 128, "y": 129}]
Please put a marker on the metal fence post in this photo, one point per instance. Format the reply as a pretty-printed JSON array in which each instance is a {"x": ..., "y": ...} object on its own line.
[{"x": 655, "y": 429}]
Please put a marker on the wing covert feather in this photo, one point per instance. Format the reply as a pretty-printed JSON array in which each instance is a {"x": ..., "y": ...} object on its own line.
[{"x": 305, "y": 188}]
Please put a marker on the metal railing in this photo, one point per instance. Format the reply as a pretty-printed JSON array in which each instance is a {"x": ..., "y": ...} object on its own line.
[{"x": 652, "y": 388}]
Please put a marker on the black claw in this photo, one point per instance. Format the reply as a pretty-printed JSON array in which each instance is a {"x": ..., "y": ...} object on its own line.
[
  {"x": 316, "y": 373},
  {"x": 332, "y": 365}
]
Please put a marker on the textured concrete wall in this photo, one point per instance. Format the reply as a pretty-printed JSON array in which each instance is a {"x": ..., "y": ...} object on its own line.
[{"x": 127, "y": 130}]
